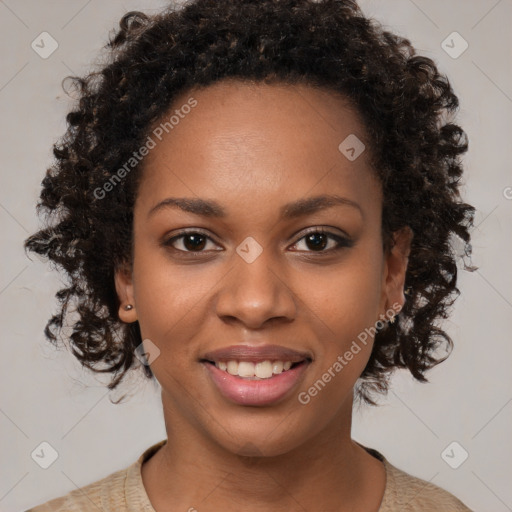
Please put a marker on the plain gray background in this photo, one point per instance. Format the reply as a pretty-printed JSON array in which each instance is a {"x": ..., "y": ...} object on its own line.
[{"x": 47, "y": 397}]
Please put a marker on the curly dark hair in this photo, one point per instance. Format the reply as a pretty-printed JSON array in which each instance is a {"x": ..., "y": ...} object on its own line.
[{"x": 407, "y": 107}]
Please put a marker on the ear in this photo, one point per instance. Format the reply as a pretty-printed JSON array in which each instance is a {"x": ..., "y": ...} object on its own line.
[
  {"x": 124, "y": 288},
  {"x": 395, "y": 268}
]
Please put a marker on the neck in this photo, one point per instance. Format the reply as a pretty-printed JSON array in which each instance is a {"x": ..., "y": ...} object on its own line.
[{"x": 328, "y": 472}]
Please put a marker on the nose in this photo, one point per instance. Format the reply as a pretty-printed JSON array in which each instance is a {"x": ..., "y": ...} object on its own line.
[{"x": 256, "y": 293}]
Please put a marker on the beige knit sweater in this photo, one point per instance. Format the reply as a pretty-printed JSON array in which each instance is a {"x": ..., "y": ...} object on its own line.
[{"x": 123, "y": 491}]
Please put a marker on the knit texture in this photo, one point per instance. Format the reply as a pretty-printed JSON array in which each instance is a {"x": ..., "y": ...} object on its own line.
[{"x": 123, "y": 491}]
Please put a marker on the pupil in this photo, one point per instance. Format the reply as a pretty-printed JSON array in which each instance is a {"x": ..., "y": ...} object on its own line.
[
  {"x": 195, "y": 245},
  {"x": 317, "y": 241},
  {"x": 314, "y": 236}
]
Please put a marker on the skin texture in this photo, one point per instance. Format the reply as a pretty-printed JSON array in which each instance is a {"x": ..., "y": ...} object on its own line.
[{"x": 254, "y": 148}]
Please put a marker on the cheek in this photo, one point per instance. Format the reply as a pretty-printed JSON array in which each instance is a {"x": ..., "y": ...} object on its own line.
[
  {"x": 348, "y": 298},
  {"x": 344, "y": 306},
  {"x": 169, "y": 301}
]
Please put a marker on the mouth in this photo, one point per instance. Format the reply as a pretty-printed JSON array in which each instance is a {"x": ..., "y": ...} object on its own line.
[
  {"x": 255, "y": 371},
  {"x": 256, "y": 376}
]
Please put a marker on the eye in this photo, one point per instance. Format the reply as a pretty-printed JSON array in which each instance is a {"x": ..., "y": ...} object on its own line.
[
  {"x": 318, "y": 239},
  {"x": 192, "y": 241}
]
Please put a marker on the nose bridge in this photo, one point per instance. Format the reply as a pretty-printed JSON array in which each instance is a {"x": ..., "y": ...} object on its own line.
[{"x": 256, "y": 289}]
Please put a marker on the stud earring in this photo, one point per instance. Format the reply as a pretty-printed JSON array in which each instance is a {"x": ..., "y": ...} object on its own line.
[
  {"x": 128, "y": 307},
  {"x": 392, "y": 319}
]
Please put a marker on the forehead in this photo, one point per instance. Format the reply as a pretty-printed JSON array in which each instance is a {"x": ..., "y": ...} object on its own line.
[{"x": 245, "y": 142}]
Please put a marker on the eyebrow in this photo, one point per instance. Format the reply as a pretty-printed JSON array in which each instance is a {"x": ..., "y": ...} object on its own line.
[{"x": 210, "y": 208}]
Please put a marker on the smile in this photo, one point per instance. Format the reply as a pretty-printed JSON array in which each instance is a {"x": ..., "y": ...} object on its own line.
[
  {"x": 249, "y": 370},
  {"x": 240, "y": 383}
]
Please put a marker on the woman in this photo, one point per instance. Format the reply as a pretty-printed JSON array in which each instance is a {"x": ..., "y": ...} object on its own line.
[{"x": 254, "y": 203}]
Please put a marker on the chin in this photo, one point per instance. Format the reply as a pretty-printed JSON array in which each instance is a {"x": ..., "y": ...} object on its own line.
[{"x": 263, "y": 434}]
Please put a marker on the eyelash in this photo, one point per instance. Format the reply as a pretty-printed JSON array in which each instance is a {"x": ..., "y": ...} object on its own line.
[{"x": 342, "y": 242}]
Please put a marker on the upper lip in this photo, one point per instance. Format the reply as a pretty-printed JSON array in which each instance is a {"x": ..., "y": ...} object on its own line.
[{"x": 256, "y": 354}]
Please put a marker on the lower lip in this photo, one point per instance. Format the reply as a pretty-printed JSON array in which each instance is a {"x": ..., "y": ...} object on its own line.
[{"x": 256, "y": 392}]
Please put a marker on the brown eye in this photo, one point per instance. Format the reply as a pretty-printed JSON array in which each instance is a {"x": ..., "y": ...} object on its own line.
[
  {"x": 189, "y": 241},
  {"x": 194, "y": 242},
  {"x": 317, "y": 240}
]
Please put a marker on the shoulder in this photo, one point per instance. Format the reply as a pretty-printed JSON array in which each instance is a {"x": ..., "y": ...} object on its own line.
[
  {"x": 411, "y": 494},
  {"x": 105, "y": 494},
  {"x": 121, "y": 491}
]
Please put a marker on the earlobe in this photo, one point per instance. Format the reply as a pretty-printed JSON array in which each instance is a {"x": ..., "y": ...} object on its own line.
[
  {"x": 124, "y": 288},
  {"x": 396, "y": 263}
]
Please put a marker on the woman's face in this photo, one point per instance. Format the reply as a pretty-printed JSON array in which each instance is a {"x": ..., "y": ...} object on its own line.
[{"x": 254, "y": 284}]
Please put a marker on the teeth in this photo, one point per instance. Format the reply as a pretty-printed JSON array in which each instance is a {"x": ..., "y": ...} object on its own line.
[
  {"x": 247, "y": 369},
  {"x": 263, "y": 370},
  {"x": 232, "y": 367},
  {"x": 277, "y": 367}
]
